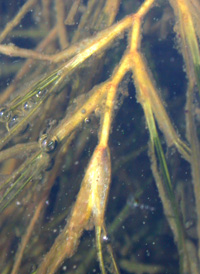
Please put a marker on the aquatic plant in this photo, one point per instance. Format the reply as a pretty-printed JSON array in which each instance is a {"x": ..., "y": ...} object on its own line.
[{"x": 74, "y": 154}]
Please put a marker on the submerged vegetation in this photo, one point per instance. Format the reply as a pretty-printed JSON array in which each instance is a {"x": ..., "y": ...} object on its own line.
[{"x": 99, "y": 136}]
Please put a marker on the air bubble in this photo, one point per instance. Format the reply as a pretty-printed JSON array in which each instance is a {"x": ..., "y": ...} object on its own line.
[
  {"x": 87, "y": 120},
  {"x": 47, "y": 145},
  {"x": 28, "y": 105},
  {"x": 106, "y": 239},
  {"x": 43, "y": 141},
  {"x": 51, "y": 145},
  {"x": 83, "y": 111},
  {"x": 13, "y": 121},
  {"x": 5, "y": 114},
  {"x": 39, "y": 94}
]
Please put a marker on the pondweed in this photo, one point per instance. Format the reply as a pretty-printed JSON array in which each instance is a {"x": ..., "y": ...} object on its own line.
[{"x": 69, "y": 114}]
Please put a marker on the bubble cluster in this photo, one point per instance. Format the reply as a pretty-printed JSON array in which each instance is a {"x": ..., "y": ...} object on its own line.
[
  {"x": 9, "y": 118},
  {"x": 12, "y": 118}
]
